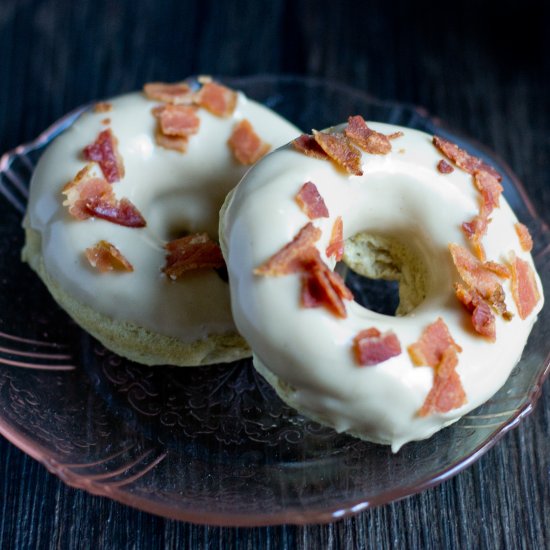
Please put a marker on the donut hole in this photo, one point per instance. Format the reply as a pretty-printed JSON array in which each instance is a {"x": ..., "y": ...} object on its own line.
[{"x": 385, "y": 275}]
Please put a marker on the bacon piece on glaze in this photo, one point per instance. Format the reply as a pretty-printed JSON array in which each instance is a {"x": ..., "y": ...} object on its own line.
[
  {"x": 219, "y": 100},
  {"x": 474, "y": 230},
  {"x": 307, "y": 145},
  {"x": 447, "y": 392},
  {"x": 246, "y": 144},
  {"x": 103, "y": 107},
  {"x": 525, "y": 239},
  {"x": 177, "y": 120},
  {"x": 367, "y": 139},
  {"x": 311, "y": 202},
  {"x": 291, "y": 257},
  {"x": 444, "y": 167},
  {"x": 192, "y": 252},
  {"x": 176, "y": 94},
  {"x": 336, "y": 244},
  {"x": 489, "y": 187},
  {"x": 462, "y": 159},
  {"x": 371, "y": 347},
  {"x": 524, "y": 287},
  {"x": 104, "y": 151},
  {"x": 483, "y": 318},
  {"x": 395, "y": 135},
  {"x": 501, "y": 270},
  {"x": 105, "y": 256},
  {"x": 173, "y": 143},
  {"x": 431, "y": 345},
  {"x": 323, "y": 287},
  {"x": 84, "y": 187},
  {"x": 478, "y": 277},
  {"x": 339, "y": 148},
  {"x": 121, "y": 212}
]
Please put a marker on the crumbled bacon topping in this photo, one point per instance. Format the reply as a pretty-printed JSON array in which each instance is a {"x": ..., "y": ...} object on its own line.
[
  {"x": 219, "y": 100},
  {"x": 339, "y": 148},
  {"x": 525, "y": 239},
  {"x": 104, "y": 151},
  {"x": 483, "y": 318},
  {"x": 367, "y": 139},
  {"x": 173, "y": 143},
  {"x": 192, "y": 252},
  {"x": 178, "y": 93},
  {"x": 320, "y": 285},
  {"x": 501, "y": 270},
  {"x": 447, "y": 392},
  {"x": 336, "y": 244},
  {"x": 89, "y": 195},
  {"x": 177, "y": 120},
  {"x": 478, "y": 277},
  {"x": 395, "y": 135},
  {"x": 524, "y": 287},
  {"x": 462, "y": 159},
  {"x": 323, "y": 287},
  {"x": 444, "y": 167},
  {"x": 474, "y": 230},
  {"x": 311, "y": 202},
  {"x": 431, "y": 345},
  {"x": 290, "y": 258},
  {"x": 371, "y": 347},
  {"x": 103, "y": 107},
  {"x": 307, "y": 145},
  {"x": 246, "y": 144},
  {"x": 489, "y": 187},
  {"x": 105, "y": 256}
]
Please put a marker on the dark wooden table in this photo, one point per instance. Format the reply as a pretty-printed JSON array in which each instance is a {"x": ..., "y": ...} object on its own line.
[{"x": 482, "y": 68}]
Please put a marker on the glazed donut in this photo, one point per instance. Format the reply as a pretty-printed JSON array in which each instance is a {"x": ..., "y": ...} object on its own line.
[
  {"x": 129, "y": 246},
  {"x": 393, "y": 203}
]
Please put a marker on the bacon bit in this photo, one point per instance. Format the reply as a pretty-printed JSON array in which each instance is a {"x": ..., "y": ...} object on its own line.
[
  {"x": 395, "y": 135},
  {"x": 483, "y": 318},
  {"x": 104, "y": 151},
  {"x": 447, "y": 392},
  {"x": 369, "y": 140},
  {"x": 370, "y": 347},
  {"x": 478, "y": 277},
  {"x": 177, "y": 120},
  {"x": 219, "y": 100},
  {"x": 323, "y": 287},
  {"x": 524, "y": 287},
  {"x": 173, "y": 143},
  {"x": 474, "y": 231},
  {"x": 525, "y": 239},
  {"x": 444, "y": 167},
  {"x": 246, "y": 145},
  {"x": 462, "y": 159},
  {"x": 336, "y": 244},
  {"x": 498, "y": 269},
  {"x": 290, "y": 258},
  {"x": 341, "y": 151},
  {"x": 431, "y": 346},
  {"x": 307, "y": 145},
  {"x": 106, "y": 121},
  {"x": 489, "y": 187},
  {"x": 105, "y": 256},
  {"x": 311, "y": 202},
  {"x": 121, "y": 212},
  {"x": 177, "y": 94},
  {"x": 82, "y": 188},
  {"x": 192, "y": 252},
  {"x": 103, "y": 107}
]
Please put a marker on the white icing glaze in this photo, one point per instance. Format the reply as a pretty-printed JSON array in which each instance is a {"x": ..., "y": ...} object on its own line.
[
  {"x": 172, "y": 191},
  {"x": 400, "y": 195}
]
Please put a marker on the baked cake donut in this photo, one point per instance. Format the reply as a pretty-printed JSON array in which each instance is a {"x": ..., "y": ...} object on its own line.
[
  {"x": 391, "y": 203},
  {"x": 122, "y": 218}
]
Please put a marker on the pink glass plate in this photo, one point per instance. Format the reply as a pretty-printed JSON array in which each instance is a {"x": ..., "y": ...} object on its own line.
[{"x": 215, "y": 445}]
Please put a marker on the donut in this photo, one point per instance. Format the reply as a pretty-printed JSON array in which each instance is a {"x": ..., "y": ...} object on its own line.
[
  {"x": 388, "y": 203},
  {"x": 122, "y": 218}
]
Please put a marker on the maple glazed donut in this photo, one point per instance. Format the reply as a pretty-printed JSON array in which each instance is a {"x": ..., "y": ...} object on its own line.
[
  {"x": 122, "y": 218},
  {"x": 392, "y": 203}
]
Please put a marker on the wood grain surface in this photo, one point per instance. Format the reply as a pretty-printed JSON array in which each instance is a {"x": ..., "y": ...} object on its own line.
[{"x": 482, "y": 67}]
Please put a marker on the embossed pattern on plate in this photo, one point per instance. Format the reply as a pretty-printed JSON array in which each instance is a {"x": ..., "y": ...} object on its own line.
[{"x": 215, "y": 445}]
